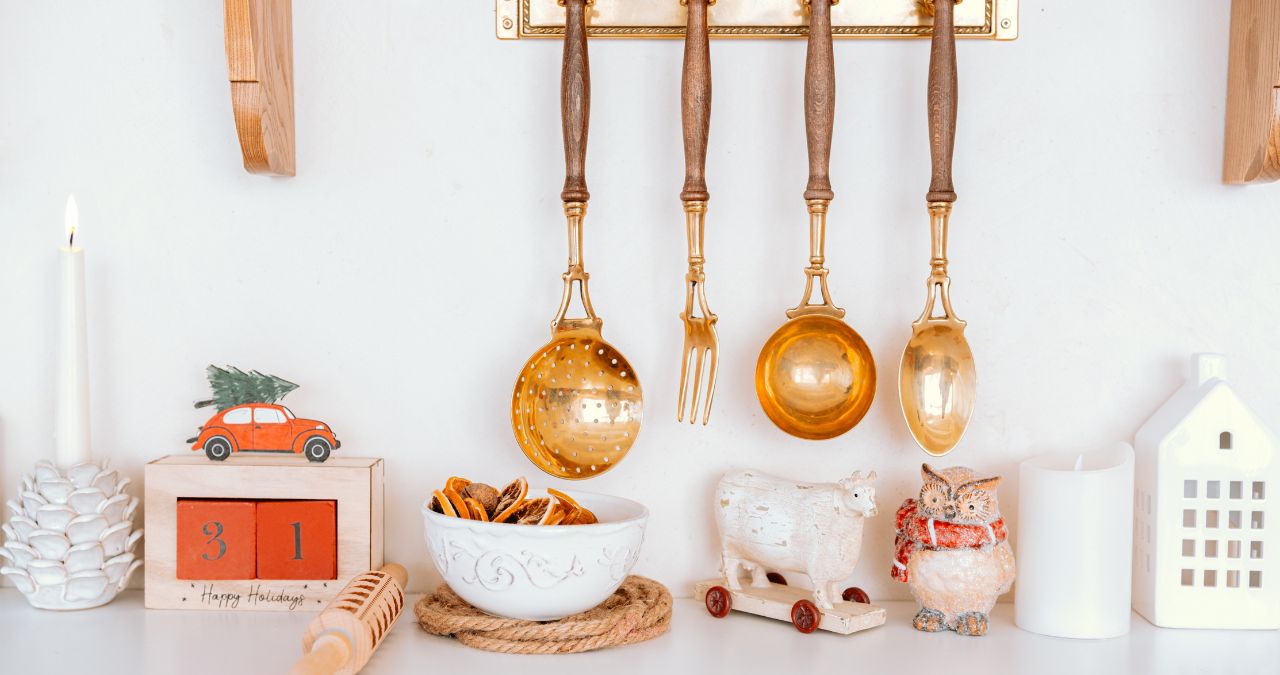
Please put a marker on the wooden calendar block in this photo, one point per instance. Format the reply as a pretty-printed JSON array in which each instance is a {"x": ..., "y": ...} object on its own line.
[
  {"x": 216, "y": 539},
  {"x": 352, "y": 484},
  {"x": 297, "y": 540}
]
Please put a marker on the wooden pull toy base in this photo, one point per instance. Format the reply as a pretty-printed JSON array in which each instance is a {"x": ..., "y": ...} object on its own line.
[
  {"x": 777, "y": 601},
  {"x": 1252, "y": 153}
]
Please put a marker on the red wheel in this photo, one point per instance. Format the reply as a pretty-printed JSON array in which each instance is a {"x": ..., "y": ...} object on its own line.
[
  {"x": 718, "y": 601},
  {"x": 855, "y": 594},
  {"x": 805, "y": 616},
  {"x": 775, "y": 578}
]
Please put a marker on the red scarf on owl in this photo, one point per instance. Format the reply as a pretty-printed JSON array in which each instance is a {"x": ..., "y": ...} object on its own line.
[{"x": 915, "y": 533}]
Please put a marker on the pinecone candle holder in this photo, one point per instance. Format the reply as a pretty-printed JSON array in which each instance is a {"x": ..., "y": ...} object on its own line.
[{"x": 69, "y": 538}]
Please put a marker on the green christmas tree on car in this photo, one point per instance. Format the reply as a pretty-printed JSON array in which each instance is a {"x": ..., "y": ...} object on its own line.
[{"x": 250, "y": 418}]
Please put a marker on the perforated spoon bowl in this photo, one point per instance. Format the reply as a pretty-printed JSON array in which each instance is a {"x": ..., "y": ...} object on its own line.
[{"x": 577, "y": 404}]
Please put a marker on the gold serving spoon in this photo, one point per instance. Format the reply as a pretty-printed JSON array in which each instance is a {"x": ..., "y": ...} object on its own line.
[
  {"x": 577, "y": 404},
  {"x": 937, "y": 380},
  {"x": 815, "y": 377}
]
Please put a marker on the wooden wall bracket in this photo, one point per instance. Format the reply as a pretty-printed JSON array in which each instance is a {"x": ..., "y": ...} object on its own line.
[
  {"x": 1252, "y": 152},
  {"x": 259, "y": 36},
  {"x": 989, "y": 19}
]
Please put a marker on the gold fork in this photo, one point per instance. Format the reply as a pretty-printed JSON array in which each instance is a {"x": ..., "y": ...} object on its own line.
[{"x": 700, "y": 341}]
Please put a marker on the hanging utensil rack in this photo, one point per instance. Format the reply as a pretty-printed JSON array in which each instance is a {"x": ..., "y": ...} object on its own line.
[{"x": 983, "y": 19}]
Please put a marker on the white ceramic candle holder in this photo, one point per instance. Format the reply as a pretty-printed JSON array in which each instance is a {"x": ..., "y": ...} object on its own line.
[{"x": 69, "y": 538}]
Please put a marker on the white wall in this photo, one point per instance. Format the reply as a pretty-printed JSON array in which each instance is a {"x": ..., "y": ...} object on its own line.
[{"x": 412, "y": 265}]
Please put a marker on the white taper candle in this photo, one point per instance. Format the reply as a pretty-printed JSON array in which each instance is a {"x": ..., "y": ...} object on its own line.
[{"x": 71, "y": 433}]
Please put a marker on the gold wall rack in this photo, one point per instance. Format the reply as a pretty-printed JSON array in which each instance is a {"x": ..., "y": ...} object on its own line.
[{"x": 987, "y": 19}]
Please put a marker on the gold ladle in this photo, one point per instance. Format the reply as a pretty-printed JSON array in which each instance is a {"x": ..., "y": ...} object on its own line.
[
  {"x": 937, "y": 380},
  {"x": 815, "y": 377},
  {"x": 577, "y": 403}
]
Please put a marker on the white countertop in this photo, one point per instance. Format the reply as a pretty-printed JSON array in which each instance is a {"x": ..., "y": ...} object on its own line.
[{"x": 124, "y": 638}]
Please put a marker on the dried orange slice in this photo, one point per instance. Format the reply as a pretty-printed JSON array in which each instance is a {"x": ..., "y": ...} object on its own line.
[
  {"x": 564, "y": 498},
  {"x": 514, "y": 492},
  {"x": 530, "y": 511},
  {"x": 476, "y": 509},
  {"x": 577, "y": 513},
  {"x": 555, "y": 516},
  {"x": 459, "y": 505},
  {"x": 441, "y": 504},
  {"x": 585, "y": 517},
  {"x": 456, "y": 483}
]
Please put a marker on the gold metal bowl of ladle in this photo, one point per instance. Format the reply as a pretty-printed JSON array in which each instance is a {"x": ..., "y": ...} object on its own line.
[{"x": 815, "y": 377}]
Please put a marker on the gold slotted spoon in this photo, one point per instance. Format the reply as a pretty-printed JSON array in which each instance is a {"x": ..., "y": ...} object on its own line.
[{"x": 577, "y": 404}]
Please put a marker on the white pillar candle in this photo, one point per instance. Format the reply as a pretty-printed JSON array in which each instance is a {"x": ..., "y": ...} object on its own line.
[
  {"x": 1075, "y": 544},
  {"x": 71, "y": 433}
]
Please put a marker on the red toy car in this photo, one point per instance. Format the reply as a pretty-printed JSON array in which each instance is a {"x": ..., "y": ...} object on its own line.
[{"x": 264, "y": 427}]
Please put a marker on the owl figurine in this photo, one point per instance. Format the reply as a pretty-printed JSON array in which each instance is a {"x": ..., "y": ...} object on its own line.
[{"x": 951, "y": 550}]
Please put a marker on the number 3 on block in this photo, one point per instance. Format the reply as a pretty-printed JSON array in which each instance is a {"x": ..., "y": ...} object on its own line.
[
  {"x": 216, "y": 539},
  {"x": 297, "y": 540}
]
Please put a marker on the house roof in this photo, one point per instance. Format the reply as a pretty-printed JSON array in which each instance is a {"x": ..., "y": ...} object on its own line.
[{"x": 1206, "y": 384}]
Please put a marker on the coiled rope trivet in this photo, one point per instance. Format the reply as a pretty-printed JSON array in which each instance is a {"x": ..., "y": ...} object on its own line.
[{"x": 639, "y": 610}]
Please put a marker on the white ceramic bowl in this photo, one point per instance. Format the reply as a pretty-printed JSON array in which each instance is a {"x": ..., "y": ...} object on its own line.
[{"x": 538, "y": 573}]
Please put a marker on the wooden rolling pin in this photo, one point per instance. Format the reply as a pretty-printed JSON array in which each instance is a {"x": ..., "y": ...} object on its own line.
[{"x": 341, "y": 640}]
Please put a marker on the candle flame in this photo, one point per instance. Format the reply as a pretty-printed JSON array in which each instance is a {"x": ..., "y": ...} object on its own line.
[{"x": 72, "y": 219}]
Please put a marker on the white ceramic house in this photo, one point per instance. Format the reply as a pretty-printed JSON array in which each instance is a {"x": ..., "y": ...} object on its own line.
[{"x": 1206, "y": 550}]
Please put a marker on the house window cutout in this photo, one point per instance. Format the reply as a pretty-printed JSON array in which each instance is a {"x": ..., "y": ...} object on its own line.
[
  {"x": 1237, "y": 489},
  {"x": 1189, "y": 517},
  {"x": 1233, "y": 549},
  {"x": 1224, "y": 440},
  {"x": 1233, "y": 579},
  {"x": 1255, "y": 550},
  {"x": 1259, "y": 490},
  {"x": 1234, "y": 520},
  {"x": 1213, "y": 489},
  {"x": 1188, "y": 577},
  {"x": 1189, "y": 489},
  {"x": 1210, "y": 578},
  {"x": 1211, "y": 548},
  {"x": 1148, "y": 533},
  {"x": 1148, "y": 498},
  {"x": 1211, "y": 519},
  {"x": 1188, "y": 548},
  {"x": 1148, "y": 557},
  {"x": 1255, "y": 521},
  {"x": 1255, "y": 579}
]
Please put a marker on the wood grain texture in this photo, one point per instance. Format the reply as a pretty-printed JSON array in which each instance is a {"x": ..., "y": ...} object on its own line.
[
  {"x": 819, "y": 99},
  {"x": 695, "y": 102},
  {"x": 259, "y": 44},
  {"x": 942, "y": 101},
  {"x": 354, "y": 482},
  {"x": 575, "y": 102},
  {"x": 1252, "y": 141}
]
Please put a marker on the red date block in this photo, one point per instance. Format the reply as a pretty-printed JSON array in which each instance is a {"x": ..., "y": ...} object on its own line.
[
  {"x": 297, "y": 540},
  {"x": 216, "y": 539}
]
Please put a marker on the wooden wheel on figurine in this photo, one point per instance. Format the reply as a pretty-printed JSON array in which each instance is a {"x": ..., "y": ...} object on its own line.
[
  {"x": 775, "y": 578},
  {"x": 855, "y": 594},
  {"x": 718, "y": 601},
  {"x": 805, "y": 616}
]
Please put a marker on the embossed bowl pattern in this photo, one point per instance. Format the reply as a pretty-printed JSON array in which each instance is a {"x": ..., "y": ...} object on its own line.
[{"x": 538, "y": 573}]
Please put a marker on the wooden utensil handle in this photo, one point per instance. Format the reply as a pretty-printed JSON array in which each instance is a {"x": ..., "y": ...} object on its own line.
[
  {"x": 575, "y": 101},
  {"x": 328, "y": 655},
  {"x": 942, "y": 100},
  {"x": 695, "y": 102},
  {"x": 819, "y": 99}
]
